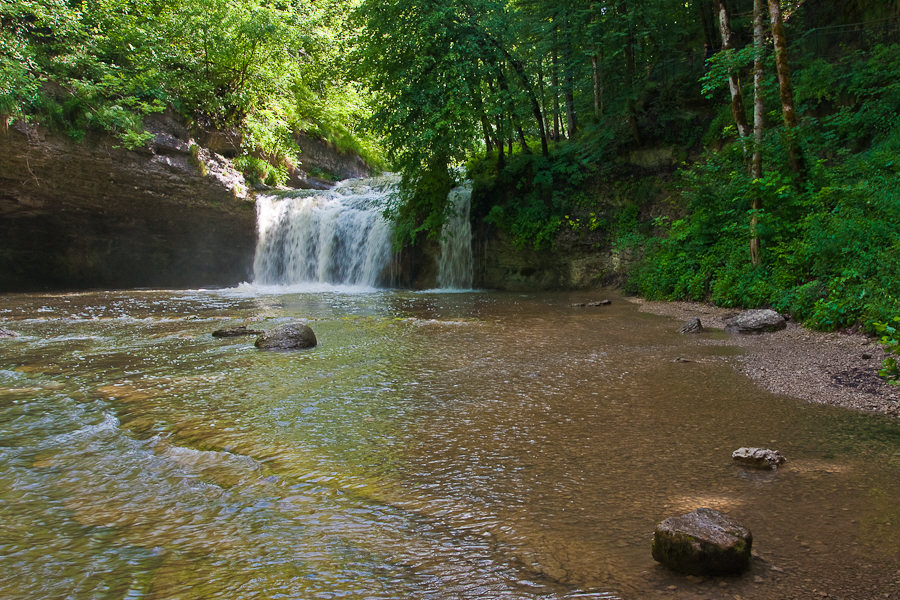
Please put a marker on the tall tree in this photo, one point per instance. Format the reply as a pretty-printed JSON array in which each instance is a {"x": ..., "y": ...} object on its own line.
[
  {"x": 758, "y": 115},
  {"x": 779, "y": 38},
  {"x": 738, "y": 111}
]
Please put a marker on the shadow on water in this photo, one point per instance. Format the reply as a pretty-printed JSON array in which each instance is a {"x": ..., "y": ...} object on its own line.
[{"x": 432, "y": 446}]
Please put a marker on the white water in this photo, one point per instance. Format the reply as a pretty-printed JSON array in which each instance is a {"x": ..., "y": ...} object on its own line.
[
  {"x": 455, "y": 263},
  {"x": 338, "y": 240},
  {"x": 335, "y": 237}
]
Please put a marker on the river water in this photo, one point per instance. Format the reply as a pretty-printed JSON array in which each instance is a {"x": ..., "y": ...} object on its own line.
[{"x": 468, "y": 445}]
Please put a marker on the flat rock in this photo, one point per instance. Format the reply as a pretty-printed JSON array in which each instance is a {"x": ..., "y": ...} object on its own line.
[
  {"x": 594, "y": 303},
  {"x": 692, "y": 326},
  {"x": 6, "y": 333},
  {"x": 759, "y": 458},
  {"x": 290, "y": 336},
  {"x": 755, "y": 321},
  {"x": 235, "y": 332},
  {"x": 702, "y": 542}
]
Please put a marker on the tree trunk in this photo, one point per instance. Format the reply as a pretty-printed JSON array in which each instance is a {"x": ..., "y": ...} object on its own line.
[
  {"x": 519, "y": 70},
  {"x": 631, "y": 107},
  {"x": 543, "y": 93},
  {"x": 596, "y": 71},
  {"x": 501, "y": 160},
  {"x": 734, "y": 82},
  {"x": 705, "y": 8},
  {"x": 784, "y": 85},
  {"x": 486, "y": 128},
  {"x": 555, "y": 82},
  {"x": 758, "y": 114},
  {"x": 569, "y": 80}
]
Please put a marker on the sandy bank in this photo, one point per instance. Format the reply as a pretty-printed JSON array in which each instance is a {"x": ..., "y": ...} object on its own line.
[{"x": 829, "y": 368}]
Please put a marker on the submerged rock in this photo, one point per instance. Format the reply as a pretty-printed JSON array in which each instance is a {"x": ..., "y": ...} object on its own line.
[
  {"x": 235, "y": 331},
  {"x": 692, "y": 326},
  {"x": 759, "y": 458},
  {"x": 291, "y": 336},
  {"x": 702, "y": 542},
  {"x": 595, "y": 303},
  {"x": 6, "y": 333},
  {"x": 755, "y": 321}
]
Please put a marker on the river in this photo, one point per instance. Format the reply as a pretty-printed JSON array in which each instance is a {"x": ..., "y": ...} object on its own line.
[{"x": 465, "y": 445}]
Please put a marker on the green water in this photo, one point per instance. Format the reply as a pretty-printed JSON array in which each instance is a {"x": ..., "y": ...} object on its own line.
[{"x": 432, "y": 446}]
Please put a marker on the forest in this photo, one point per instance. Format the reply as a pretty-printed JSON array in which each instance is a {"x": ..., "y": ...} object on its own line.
[{"x": 777, "y": 121}]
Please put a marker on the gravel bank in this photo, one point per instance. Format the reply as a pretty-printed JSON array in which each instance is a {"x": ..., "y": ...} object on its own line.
[{"x": 829, "y": 368}]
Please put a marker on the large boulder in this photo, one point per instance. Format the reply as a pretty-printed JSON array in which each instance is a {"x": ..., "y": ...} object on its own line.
[
  {"x": 290, "y": 336},
  {"x": 702, "y": 542},
  {"x": 755, "y": 321},
  {"x": 758, "y": 458}
]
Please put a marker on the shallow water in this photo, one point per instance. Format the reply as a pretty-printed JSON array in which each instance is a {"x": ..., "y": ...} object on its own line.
[{"x": 432, "y": 446}]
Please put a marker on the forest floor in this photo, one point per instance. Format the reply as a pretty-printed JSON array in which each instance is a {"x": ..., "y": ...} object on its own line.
[{"x": 839, "y": 368}]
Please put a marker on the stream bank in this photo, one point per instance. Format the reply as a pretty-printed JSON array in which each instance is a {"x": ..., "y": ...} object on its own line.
[{"x": 834, "y": 368}]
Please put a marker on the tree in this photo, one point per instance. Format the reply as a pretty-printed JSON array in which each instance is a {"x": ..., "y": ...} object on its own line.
[{"x": 786, "y": 90}]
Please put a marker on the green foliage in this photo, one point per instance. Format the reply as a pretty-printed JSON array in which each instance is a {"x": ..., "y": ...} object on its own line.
[
  {"x": 259, "y": 171},
  {"x": 890, "y": 339},
  {"x": 272, "y": 70},
  {"x": 419, "y": 209},
  {"x": 830, "y": 242}
]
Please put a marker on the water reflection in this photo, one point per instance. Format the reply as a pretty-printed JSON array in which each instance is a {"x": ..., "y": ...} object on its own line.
[{"x": 432, "y": 446}]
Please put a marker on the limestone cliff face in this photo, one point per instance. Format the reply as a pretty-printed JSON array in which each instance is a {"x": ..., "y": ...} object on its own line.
[
  {"x": 77, "y": 215},
  {"x": 316, "y": 153},
  {"x": 573, "y": 263}
]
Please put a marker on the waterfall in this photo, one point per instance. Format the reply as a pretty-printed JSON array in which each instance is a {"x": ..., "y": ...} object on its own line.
[
  {"x": 338, "y": 237},
  {"x": 455, "y": 263},
  {"x": 333, "y": 237}
]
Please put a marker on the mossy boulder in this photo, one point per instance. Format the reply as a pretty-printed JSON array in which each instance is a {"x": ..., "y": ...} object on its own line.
[
  {"x": 702, "y": 542},
  {"x": 290, "y": 336}
]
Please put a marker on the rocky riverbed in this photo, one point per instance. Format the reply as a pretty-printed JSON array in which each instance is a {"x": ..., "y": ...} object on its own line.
[{"x": 840, "y": 369}]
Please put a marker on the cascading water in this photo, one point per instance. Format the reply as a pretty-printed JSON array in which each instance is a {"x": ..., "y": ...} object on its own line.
[
  {"x": 455, "y": 263},
  {"x": 338, "y": 237},
  {"x": 333, "y": 237}
]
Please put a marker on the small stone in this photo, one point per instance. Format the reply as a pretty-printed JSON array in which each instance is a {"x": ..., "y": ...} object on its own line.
[
  {"x": 692, "y": 326},
  {"x": 291, "y": 336},
  {"x": 759, "y": 458},
  {"x": 6, "y": 333},
  {"x": 702, "y": 542}
]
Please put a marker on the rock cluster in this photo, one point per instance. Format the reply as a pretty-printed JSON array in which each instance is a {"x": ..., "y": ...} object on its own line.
[{"x": 702, "y": 542}]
